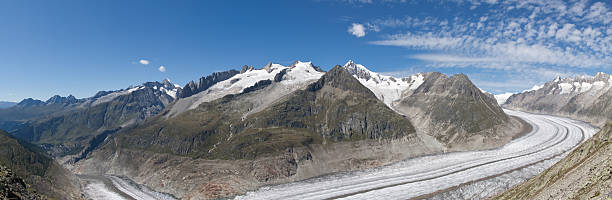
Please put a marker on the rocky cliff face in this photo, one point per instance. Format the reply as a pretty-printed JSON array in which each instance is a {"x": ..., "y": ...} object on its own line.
[
  {"x": 586, "y": 173},
  {"x": 332, "y": 124},
  {"x": 25, "y": 167},
  {"x": 452, "y": 110},
  {"x": 206, "y": 82},
  {"x": 586, "y": 98}
]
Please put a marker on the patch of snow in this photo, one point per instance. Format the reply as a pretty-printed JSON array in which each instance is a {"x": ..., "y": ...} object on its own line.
[
  {"x": 585, "y": 86},
  {"x": 171, "y": 93},
  {"x": 566, "y": 88},
  {"x": 502, "y": 98},
  {"x": 598, "y": 85},
  {"x": 113, "y": 95},
  {"x": 302, "y": 72},
  {"x": 534, "y": 88}
]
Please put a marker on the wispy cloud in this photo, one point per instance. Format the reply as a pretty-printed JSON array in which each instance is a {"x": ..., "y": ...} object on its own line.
[
  {"x": 143, "y": 61},
  {"x": 162, "y": 68},
  {"x": 528, "y": 40}
]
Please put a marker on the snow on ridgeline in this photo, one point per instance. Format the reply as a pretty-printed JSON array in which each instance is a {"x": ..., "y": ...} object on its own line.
[
  {"x": 297, "y": 74},
  {"x": 386, "y": 88},
  {"x": 165, "y": 87},
  {"x": 592, "y": 85},
  {"x": 502, "y": 98}
]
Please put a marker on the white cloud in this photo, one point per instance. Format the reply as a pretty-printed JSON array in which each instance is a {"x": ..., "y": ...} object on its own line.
[
  {"x": 450, "y": 58},
  {"x": 143, "y": 61},
  {"x": 162, "y": 68},
  {"x": 356, "y": 29}
]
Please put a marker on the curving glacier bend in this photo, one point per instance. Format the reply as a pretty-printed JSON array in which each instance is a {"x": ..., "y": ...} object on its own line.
[{"x": 551, "y": 138}]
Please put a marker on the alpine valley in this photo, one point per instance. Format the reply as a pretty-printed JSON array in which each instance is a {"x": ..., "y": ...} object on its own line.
[{"x": 236, "y": 133}]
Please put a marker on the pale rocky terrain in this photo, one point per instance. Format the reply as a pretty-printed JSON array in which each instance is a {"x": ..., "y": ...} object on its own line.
[{"x": 586, "y": 173}]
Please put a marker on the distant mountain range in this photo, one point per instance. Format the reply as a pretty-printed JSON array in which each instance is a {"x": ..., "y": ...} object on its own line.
[
  {"x": 6, "y": 104},
  {"x": 588, "y": 98}
]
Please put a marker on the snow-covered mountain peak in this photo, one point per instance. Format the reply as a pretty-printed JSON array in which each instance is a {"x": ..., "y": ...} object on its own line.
[
  {"x": 359, "y": 70},
  {"x": 386, "y": 88},
  {"x": 301, "y": 72}
]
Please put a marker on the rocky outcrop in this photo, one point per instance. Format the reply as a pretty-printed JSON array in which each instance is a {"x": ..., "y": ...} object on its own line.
[
  {"x": 14, "y": 187},
  {"x": 36, "y": 169},
  {"x": 205, "y": 82},
  {"x": 586, "y": 173},
  {"x": 587, "y": 98}
]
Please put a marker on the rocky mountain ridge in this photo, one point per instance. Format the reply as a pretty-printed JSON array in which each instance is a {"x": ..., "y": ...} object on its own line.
[
  {"x": 66, "y": 125},
  {"x": 452, "y": 109}
]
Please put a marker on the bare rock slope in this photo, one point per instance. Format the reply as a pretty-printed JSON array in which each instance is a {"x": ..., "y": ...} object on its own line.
[{"x": 586, "y": 173}]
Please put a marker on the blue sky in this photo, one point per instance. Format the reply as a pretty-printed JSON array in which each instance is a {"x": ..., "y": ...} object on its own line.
[{"x": 81, "y": 47}]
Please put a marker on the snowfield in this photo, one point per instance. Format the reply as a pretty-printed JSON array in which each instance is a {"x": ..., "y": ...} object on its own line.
[{"x": 551, "y": 138}]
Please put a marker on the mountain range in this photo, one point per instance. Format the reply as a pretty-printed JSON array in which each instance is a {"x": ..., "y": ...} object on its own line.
[
  {"x": 254, "y": 127},
  {"x": 280, "y": 123}
]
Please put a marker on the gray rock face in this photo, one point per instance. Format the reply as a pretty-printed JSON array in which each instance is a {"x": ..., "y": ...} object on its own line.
[
  {"x": 356, "y": 71},
  {"x": 14, "y": 187},
  {"x": 457, "y": 113},
  {"x": 205, "y": 82},
  {"x": 587, "y": 98},
  {"x": 246, "y": 68}
]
